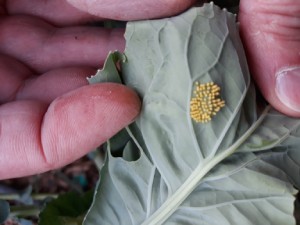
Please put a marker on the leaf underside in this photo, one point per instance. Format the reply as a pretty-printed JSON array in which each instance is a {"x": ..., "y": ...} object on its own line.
[{"x": 176, "y": 171}]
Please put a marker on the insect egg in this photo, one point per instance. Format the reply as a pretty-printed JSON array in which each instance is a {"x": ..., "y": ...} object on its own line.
[{"x": 206, "y": 102}]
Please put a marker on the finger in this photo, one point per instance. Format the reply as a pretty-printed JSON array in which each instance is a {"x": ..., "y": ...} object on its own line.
[
  {"x": 18, "y": 83},
  {"x": 50, "y": 85},
  {"x": 271, "y": 34},
  {"x": 56, "y": 12},
  {"x": 43, "y": 47},
  {"x": 35, "y": 138},
  {"x": 132, "y": 10},
  {"x": 12, "y": 76}
]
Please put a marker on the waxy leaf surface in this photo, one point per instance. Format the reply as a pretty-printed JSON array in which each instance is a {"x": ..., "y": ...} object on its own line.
[{"x": 174, "y": 170}]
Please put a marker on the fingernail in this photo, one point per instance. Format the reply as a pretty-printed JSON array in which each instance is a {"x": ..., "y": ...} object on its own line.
[{"x": 288, "y": 87}]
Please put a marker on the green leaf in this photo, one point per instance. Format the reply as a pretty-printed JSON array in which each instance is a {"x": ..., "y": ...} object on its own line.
[
  {"x": 274, "y": 130},
  {"x": 174, "y": 170},
  {"x": 288, "y": 160},
  {"x": 67, "y": 209},
  {"x": 4, "y": 210},
  {"x": 239, "y": 191},
  {"x": 278, "y": 136},
  {"x": 109, "y": 73},
  {"x": 286, "y": 156}
]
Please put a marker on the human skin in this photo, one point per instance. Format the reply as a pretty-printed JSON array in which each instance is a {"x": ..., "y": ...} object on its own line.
[
  {"x": 271, "y": 33},
  {"x": 50, "y": 117}
]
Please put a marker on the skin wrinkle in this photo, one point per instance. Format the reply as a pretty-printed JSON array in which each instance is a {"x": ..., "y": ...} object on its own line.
[
  {"x": 282, "y": 27},
  {"x": 56, "y": 151},
  {"x": 101, "y": 104},
  {"x": 12, "y": 74},
  {"x": 18, "y": 90},
  {"x": 40, "y": 146},
  {"x": 18, "y": 95},
  {"x": 275, "y": 6},
  {"x": 275, "y": 18},
  {"x": 69, "y": 78},
  {"x": 24, "y": 28},
  {"x": 56, "y": 47},
  {"x": 270, "y": 33},
  {"x": 27, "y": 115},
  {"x": 26, "y": 86},
  {"x": 52, "y": 148}
]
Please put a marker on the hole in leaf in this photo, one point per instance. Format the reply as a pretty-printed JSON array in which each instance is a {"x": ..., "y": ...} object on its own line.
[{"x": 122, "y": 146}]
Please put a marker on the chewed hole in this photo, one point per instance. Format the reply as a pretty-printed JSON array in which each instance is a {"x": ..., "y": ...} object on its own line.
[
  {"x": 131, "y": 152},
  {"x": 122, "y": 146}
]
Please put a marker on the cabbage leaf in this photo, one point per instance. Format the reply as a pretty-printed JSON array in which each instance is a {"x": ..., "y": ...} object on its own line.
[{"x": 173, "y": 170}]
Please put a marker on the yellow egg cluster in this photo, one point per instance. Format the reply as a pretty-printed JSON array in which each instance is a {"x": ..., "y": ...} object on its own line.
[{"x": 206, "y": 102}]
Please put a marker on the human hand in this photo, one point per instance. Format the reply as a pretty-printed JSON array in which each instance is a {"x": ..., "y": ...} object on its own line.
[
  {"x": 58, "y": 140},
  {"x": 49, "y": 116},
  {"x": 270, "y": 31}
]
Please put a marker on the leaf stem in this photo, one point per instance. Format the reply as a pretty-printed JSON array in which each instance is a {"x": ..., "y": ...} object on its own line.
[
  {"x": 24, "y": 211},
  {"x": 16, "y": 197},
  {"x": 170, "y": 206}
]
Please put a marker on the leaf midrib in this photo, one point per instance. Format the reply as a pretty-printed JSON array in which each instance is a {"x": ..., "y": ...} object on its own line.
[{"x": 171, "y": 204}]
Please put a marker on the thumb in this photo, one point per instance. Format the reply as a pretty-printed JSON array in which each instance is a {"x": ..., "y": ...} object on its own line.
[
  {"x": 270, "y": 30},
  {"x": 35, "y": 139}
]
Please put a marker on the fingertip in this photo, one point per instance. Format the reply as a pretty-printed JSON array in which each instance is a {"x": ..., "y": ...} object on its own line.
[
  {"x": 270, "y": 33},
  {"x": 287, "y": 90},
  {"x": 82, "y": 120}
]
